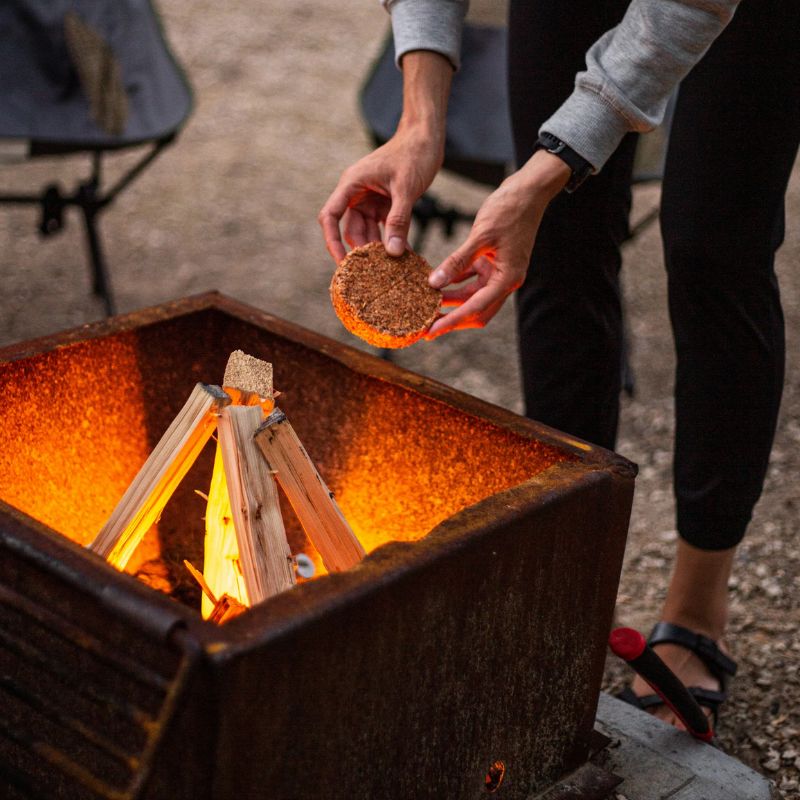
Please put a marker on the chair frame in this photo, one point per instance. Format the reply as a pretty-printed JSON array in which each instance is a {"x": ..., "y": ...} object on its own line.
[{"x": 90, "y": 198}]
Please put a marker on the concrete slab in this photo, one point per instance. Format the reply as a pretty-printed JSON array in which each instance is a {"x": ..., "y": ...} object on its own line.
[{"x": 658, "y": 762}]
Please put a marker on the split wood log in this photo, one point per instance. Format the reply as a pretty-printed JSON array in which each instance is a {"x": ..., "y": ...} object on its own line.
[
  {"x": 248, "y": 382},
  {"x": 145, "y": 498},
  {"x": 264, "y": 554},
  {"x": 311, "y": 499},
  {"x": 221, "y": 550}
]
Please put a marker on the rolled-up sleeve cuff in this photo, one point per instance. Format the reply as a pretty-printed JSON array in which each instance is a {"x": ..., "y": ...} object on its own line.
[
  {"x": 426, "y": 25},
  {"x": 590, "y": 125}
]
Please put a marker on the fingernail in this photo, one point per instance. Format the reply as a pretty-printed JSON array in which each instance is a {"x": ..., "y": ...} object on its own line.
[
  {"x": 395, "y": 246},
  {"x": 438, "y": 278}
]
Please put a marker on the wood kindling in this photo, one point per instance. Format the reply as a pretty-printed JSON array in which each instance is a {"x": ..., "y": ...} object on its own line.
[
  {"x": 223, "y": 608},
  {"x": 159, "y": 476},
  {"x": 312, "y": 501},
  {"x": 247, "y": 555},
  {"x": 264, "y": 554}
]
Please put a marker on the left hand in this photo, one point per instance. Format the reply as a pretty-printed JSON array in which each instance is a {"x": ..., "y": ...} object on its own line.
[{"x": 498, "y": 249}]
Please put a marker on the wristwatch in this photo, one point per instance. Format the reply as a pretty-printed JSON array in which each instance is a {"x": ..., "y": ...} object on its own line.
[{"x": 581, "y": 168}]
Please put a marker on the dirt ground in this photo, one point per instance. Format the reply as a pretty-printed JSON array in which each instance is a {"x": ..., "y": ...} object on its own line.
[{"x": 233, "y": 207}]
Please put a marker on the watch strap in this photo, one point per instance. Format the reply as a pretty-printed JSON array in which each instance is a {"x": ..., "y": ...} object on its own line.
[{"x": 581, "y": 168}]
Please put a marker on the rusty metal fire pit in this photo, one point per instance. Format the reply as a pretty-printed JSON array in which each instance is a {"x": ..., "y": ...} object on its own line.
[{"x": 463, "y": 656}]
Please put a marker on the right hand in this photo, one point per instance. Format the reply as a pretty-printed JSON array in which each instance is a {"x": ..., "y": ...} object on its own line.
[{"x": 380, "y": 189}]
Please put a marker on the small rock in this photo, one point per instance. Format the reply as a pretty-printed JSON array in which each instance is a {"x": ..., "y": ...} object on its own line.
[
  {"x": 772, "y": 764},
  {"x": 771, "y": 589}
]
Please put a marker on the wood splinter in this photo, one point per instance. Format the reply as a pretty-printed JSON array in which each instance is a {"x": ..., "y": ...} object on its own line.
[
  {"x": 311, "y": 499},
  {"x": 223, "y": 609}
]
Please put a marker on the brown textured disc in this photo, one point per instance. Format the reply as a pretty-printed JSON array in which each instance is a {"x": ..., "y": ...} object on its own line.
[{"x": 382, "y": 299}]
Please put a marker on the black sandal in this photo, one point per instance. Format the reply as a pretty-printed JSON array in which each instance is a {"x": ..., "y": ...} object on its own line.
[{"x": 721, "y": 666}]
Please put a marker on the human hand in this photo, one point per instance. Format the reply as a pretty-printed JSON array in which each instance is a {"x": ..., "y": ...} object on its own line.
[
  {"x": 381, "y": 188},
  {"x": 497, "y": 251}
]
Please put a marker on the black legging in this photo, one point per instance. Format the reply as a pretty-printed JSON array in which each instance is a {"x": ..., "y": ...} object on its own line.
[{"x": 733, "y": 141}]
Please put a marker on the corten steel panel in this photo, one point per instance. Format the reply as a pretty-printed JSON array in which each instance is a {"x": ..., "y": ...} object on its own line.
[{"x": 408, "y": 676}]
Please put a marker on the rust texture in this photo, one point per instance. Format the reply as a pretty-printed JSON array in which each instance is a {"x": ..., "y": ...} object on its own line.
[{"x": 473, "y": 632}]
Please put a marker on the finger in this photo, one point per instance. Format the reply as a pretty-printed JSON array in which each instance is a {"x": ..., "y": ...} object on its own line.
[
  {"x": 455, "y": 297},
  {"x": 477, "y": 273},
  {"x": 373, "y": 230},
  {"x": 354, "y": 227},
  {"x": 445, "y": 324},
  {"x": 329, "y": 217},
  {"x": 398, "y": 221},
  {"x": 456, "y": 267},
  {"x": 473, "y": 313}
]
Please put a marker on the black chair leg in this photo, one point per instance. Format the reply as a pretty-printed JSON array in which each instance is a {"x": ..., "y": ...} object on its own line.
[{"x": 101, "y": 284}]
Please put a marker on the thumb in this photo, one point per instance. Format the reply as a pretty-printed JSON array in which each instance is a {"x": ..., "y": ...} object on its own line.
[
  {"x": 456, "y": 266},
  {"x": 398, "y": 221}
]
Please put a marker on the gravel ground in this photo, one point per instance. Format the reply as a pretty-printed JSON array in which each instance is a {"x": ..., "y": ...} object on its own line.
[{"x": 233, "y": 207}]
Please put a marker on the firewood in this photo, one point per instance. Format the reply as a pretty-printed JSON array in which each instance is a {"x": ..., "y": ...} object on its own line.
[
  {"x": 226, "y": 609},
  {"x": 145, "y": 498},
  {"x": 248, "y": 382},
  {"x": 311, "y": 499},
  {"x": 264, "y": 553},
  {"x": 222, "y": 610}
]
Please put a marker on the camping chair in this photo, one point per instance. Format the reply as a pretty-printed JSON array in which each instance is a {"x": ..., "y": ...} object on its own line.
[{"x": 83, "y": 77}]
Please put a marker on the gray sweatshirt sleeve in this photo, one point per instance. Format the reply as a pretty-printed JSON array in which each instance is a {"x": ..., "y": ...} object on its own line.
[
  {"x": 428, "y": 25},
  {"x": 630, "y": 71}
]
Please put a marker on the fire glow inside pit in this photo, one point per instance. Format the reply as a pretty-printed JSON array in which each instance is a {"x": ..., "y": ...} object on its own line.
[{"x": 463, "y": 655}]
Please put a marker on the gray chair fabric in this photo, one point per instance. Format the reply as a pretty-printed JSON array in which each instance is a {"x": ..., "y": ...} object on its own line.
[{"x": 87, "y": 74}]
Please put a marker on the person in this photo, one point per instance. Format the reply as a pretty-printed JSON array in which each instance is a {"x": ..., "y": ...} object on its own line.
[{"x": 733, "y": 141}]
